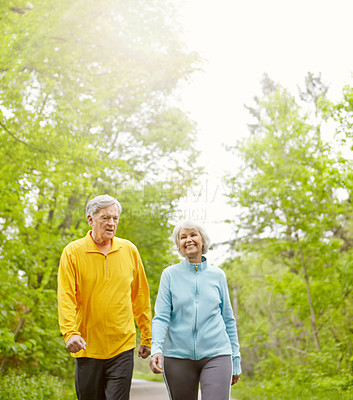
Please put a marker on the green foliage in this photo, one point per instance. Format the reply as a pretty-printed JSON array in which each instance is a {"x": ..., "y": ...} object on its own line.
[
  {"x": 285, "y": 388},
  {"x": 292, "y": 276},
  {"x": 35, "y": 387},
  {"x": 85, "y": 109}
]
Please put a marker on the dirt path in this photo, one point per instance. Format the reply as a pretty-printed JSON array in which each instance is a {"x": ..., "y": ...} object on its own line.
[{"x": 145, "y": 390}]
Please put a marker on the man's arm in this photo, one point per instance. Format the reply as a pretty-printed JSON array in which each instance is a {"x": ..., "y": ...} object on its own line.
[
  {"x": 141, "y": 305},
  {"x": 67, "y": 303}
]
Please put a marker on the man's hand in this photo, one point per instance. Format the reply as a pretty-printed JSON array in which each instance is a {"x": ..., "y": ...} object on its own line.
[
  {"x": 235, "y": 379},
  {"x": 144, "y": 351},
  {"x": 75, "y": 344},
  {"x": 156, "y": 363}
]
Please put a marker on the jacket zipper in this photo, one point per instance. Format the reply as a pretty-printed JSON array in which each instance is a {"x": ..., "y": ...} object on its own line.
[
  {"x": 106, "y": 267},
  {"x": 196, "y": 311}
]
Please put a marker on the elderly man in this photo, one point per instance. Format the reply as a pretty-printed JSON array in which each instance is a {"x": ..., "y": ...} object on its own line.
[{"x": 102, "y": 288}]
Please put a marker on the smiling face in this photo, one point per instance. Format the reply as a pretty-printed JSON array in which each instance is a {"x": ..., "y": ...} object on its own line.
[
  {"x": 104, "y": 224},
  {"x": 190, "y": 244}
]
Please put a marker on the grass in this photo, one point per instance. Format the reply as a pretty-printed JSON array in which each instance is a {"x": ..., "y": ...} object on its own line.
[
  {"x": 143, "y": 371},
  {"x": 249, "y": 390},
  {"x": 37, "y": 387},
  {"x": 148, "y": 377}
]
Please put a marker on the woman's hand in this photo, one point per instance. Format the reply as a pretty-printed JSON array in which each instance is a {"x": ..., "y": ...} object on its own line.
[
  {"x": 156, "y": 363},
  {"x": 235, "y": 379}
]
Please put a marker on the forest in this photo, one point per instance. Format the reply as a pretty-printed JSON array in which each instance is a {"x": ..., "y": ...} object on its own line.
[
  {"x": 292, "y": 275},
  {"x": 87, "y": 106}
]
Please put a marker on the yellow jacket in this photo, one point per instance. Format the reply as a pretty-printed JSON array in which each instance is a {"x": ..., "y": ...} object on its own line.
[{"x": 100, "y": 296}]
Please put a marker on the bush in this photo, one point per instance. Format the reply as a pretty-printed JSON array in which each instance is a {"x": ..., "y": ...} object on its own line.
[
  {"x": 36, "y": 387},
  {"x": 281, "y": 389}
]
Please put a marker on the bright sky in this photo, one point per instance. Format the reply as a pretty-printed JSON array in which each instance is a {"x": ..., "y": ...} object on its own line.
[{"x": 242, "y": 40}]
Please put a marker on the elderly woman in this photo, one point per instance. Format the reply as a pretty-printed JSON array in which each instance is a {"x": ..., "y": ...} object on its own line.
[{"x": 194, "y": 334}]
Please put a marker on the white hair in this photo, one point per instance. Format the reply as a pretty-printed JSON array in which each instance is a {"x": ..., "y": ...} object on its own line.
[
  {"x": 188, "y": 224},
  {"x": 101, "y": 201}
]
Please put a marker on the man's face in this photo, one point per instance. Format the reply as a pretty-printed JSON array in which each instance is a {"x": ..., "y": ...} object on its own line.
[{"x": 104, "y": 223}]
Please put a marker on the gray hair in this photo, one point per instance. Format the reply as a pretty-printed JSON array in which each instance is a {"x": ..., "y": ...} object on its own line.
[
  {"x": 101, "y": 201},
  {"x": 188, "y": 224}
]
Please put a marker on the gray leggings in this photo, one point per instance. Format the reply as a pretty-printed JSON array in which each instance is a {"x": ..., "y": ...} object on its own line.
[{"x": 182, "y": 377}]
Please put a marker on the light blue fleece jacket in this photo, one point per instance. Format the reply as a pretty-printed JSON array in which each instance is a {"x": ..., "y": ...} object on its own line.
[{"x": 193, "y": 314}]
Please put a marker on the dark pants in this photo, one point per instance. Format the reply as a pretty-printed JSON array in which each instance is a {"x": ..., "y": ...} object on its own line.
[
  {"x": 104, "y": 379},
  {"x": 183, "y": 376}
]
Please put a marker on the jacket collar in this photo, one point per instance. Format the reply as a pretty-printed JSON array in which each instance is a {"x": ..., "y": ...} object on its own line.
[
  {"x": 92, "y": 248},
  {"x": 200, "y": 266}
]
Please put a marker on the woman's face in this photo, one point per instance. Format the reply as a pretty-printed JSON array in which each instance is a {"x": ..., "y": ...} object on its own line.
[{"x": 190, "y": 244}]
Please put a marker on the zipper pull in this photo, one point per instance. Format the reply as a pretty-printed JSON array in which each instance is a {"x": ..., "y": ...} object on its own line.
[{"x": 196, "y": 267}]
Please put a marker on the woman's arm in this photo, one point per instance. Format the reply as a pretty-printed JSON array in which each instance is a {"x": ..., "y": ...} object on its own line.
[{"x": 231, "y": 326}]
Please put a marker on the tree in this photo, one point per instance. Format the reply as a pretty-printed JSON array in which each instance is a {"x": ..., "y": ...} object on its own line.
[
  {"x": 288, "y": 226},
  {"x": 84, "y": 110}
]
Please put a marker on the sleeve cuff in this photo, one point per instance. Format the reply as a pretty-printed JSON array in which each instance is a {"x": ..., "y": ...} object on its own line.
[
  {"x": 69, "y": 335},
  {"x": 145, "y": 342},
  {"x": 156, "y": 349},
  {"x": 236, "y": 366}
]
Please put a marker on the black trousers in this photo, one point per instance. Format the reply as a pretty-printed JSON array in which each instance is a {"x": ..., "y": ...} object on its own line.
[{"x": 104, "y": 379}]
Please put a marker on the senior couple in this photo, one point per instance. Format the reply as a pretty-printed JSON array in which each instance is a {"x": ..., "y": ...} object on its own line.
[{"x": 103, "y": 290}]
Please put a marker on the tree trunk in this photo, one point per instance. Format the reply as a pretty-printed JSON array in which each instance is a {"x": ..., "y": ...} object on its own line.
[{"x": 310, "y": 301}]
